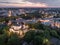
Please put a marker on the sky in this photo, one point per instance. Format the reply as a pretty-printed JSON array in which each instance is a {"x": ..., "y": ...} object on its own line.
[{"x": 30, "y": 3}]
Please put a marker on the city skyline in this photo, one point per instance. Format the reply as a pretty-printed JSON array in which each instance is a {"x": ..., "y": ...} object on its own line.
[{"x": 29, "y": 3}]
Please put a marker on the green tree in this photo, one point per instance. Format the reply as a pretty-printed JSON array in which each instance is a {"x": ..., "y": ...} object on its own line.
[
  {"x": 14, "y": 40},
  {"x": 36, "y": 37},
  {"x": 3, "y": 39}
]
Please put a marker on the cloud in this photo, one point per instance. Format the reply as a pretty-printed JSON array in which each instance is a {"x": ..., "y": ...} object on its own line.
[
  {"x": 30, "y": 4},
  {"x": 23, "y": 4},
  {"x": 54, "y": 3}
]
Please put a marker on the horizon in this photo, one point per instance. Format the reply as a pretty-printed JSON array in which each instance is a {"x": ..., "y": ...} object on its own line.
[{"x": 26, "y": 7}]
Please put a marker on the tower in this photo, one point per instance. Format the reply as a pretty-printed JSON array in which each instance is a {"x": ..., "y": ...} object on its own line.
[{"x": 9, "y": 13}]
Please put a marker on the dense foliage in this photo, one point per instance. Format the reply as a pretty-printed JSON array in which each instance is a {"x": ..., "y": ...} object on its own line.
[{"x": 40, "y": 36}]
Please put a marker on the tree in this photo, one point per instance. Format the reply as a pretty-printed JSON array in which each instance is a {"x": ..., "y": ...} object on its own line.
[
  {"x": 29, "y": 36},
  {"x": 4, "y": 29},
  {"x": 36, "y": 37},
  {"x": 54, "y": 34},
  {"x": 14, "y": 40},
  {"x": 3, "y": 39}
]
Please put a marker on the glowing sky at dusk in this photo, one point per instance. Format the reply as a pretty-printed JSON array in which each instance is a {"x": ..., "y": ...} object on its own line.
[{"x": 30, "y": 3}]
